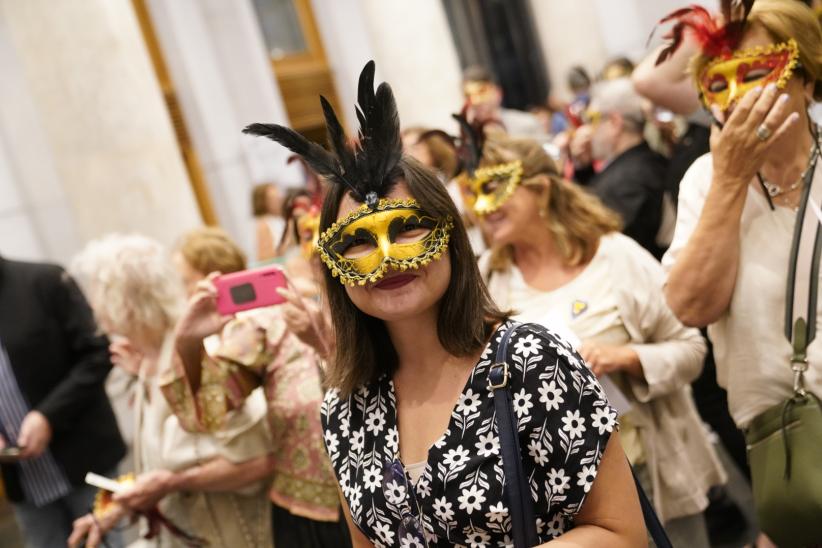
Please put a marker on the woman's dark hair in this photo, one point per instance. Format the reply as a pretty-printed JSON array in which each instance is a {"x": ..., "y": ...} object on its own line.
[
  {"x": 467, "y": 315},
  {"x": 291, "y": 196}
]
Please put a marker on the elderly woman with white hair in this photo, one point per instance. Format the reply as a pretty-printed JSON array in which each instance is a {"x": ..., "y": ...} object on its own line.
[
  {"x": 632, "y": 182},
  {"x": 192, "y": 488}
]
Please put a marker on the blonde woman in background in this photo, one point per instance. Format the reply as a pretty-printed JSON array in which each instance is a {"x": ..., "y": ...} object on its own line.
[
  {"x": 209, "y": 486},
  {"x": 558, "y": 250}
]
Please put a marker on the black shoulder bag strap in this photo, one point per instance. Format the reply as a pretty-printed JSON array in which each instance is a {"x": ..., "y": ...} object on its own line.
[
  {"x": 803, "y": 272},
  {"x": 517, "y": 489}
]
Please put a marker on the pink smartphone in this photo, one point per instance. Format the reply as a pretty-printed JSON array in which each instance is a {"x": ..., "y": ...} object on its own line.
[{"x": 249, "y": 289}]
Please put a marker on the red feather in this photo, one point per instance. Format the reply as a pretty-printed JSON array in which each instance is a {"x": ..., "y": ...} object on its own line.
[{"x": 714, "y": 40}]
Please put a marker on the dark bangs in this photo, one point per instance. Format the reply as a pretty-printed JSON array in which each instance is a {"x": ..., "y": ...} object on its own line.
[{"x": 467, "y": 314}]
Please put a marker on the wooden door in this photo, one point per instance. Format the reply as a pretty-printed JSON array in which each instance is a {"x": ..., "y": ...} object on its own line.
[{"x": 299, "y": 62}]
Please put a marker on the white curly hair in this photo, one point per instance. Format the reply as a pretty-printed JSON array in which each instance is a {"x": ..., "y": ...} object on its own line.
[{"x": 132, "y": 287}]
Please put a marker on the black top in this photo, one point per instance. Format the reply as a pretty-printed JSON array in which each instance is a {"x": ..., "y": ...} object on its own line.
[
  {"x": 564, "y": 424},
  {"x": 633, "y": 185},
  {"x": 60, "y": 362}
]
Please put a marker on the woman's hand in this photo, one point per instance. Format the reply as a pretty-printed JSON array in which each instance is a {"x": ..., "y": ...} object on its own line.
[
  {"x": 606, "y": 359},
  {"x": 125, "y": 356},
  {"x": 201, "y": 318},
  {"x": 87, "y": 528},
  {"x": 738, "y": 152},
  {"x": 147, "y": 490},
  {"x": 305, "y": 319}
]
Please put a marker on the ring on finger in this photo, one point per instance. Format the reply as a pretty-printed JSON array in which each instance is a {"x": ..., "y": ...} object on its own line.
[{"x": 763, "y": 132}]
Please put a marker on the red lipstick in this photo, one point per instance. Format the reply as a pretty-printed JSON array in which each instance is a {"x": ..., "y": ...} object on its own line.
[{"x": 395, "y": 282}]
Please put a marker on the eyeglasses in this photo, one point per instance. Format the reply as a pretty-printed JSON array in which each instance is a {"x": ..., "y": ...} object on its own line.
[{"x": 397, "y": 489}]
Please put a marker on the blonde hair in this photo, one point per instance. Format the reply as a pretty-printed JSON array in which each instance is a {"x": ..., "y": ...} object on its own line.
[
  {"x": 575, "y": 218},
  {"x": 210, "y": 249},
  {"x": 783, "y": 20},
  {"x": 131, "y": 286}
]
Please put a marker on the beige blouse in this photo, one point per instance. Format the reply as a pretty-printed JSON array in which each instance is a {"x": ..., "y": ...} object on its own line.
[{"x": 680, "y": 459}]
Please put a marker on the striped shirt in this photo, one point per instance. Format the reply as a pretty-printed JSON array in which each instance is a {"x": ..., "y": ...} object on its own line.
[{"x": 42, "y": 479}]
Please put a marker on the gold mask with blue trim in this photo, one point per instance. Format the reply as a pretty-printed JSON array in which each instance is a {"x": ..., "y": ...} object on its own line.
[{"x": 395, "y": 234}]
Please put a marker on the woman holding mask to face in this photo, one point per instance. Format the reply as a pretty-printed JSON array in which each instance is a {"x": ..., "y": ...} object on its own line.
[{"x": 746, "y": 212}]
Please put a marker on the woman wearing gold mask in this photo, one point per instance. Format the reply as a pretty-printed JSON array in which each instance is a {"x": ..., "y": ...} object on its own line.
[
  {"x": 733, "y": 254},
  {"x": 409, "y": 418},
  {"x": 556, "y": 252}
]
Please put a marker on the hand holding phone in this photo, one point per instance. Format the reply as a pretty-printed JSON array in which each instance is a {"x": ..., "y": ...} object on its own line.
[{"x": 249, "y": 289}]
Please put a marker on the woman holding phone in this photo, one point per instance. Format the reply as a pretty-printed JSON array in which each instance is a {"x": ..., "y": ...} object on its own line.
[
  {"x": 409, "y": 417},
  {"x": 221, "y": 361}
]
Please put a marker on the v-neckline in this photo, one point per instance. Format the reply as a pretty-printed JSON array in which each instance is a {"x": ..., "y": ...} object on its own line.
[{"x": 442, "y": 438}]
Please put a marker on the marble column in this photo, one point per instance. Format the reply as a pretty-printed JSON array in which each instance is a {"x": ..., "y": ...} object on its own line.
[
  {"x": 223, "y": 78},
  {"x": 84, "y": 126}
]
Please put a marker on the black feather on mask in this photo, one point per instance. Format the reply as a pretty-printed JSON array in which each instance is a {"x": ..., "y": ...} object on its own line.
[{"x": 367, "y": 166}]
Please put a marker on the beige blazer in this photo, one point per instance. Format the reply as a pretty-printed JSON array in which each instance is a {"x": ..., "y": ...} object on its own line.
[{"x": 681, "y": 461}]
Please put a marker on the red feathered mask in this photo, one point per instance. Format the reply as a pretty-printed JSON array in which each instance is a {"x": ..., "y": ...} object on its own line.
[{"x": 715, "y": 39}]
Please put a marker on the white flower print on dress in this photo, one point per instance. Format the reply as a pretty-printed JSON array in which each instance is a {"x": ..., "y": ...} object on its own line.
[
  {"x": 357, "y": 439},
  {"x": 558, "y": 481},
  {"x": 384, "y": 532},
  {"x": 475, "y": 538},
  {"x": 442, "y": 509},
  {"x": 538, "y": 452},
  {"x": 372, "y": 477},
  {"x": 573, "y": 424},
  {"x": 564, "y": 425},
  {"x": 522, "y": 403},
  {"x": 354, "y": 495},
  {"x": 487, "y": 445},
  {"x": 394, "y": 492},
  {"x": 423, "y": 486},
  {"x": 550, "y": 395},
  {"x": 586, "y": 477},
  {"x": 468, "y": 402},
  {"x": 409, "y": 541},
  {"x": 375, "y": 422},
  {"x": 471, "y": 499},
  {"x": 556, "y": 526},
  {"x": 497, "y": 513},
  {"x": 456, "y": 457},
  {"x": 331, "y": 442},
  {"x": 525, "y": 346},
  {"x": 393, "y": 440},
  {"x": 603, "y": 419}
]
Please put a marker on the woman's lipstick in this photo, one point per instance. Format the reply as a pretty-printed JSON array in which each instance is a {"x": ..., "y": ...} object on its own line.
[{"x": 395, "y": 282}]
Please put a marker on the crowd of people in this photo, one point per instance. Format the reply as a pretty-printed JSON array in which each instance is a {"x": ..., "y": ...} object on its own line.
[{"x": 541, "y": 331}]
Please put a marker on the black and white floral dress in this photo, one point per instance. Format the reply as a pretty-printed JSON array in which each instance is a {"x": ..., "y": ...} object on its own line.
[{"x": 564, "y": 423}]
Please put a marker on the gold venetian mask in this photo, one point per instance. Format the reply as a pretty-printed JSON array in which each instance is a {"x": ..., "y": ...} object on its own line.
[
  {"x": 478, "y": 92},
  {"x": 308, "y": 227},
  {"x": 397, "y": 234},
  {"x": 490, "y": 187},
  {"x": 724, "y": 81}
]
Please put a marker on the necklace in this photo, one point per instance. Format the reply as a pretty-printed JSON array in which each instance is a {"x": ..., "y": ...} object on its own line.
[{"x": 775, "y": 190}]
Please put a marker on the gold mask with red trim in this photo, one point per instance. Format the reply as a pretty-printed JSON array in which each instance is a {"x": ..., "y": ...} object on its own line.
[
  {"x": 724, "y": 81},
  {"x": 396, "y": 234}
]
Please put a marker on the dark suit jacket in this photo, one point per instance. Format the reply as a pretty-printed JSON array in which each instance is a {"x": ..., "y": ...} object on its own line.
[
  {"x": 60, "y": 361},
  {"x": 633, "y": 185}
]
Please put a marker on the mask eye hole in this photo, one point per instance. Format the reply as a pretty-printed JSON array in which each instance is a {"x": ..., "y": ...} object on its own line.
[
  {"x": 360, "y": 244},
  {"x": 409, "y": 230},
  {"x": 492, "y": 185},
  {"x": 718, "y": 84},
  {"x": 756, "y": 74}
]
